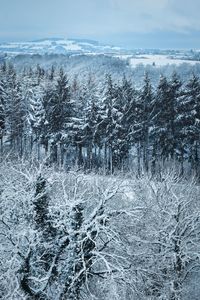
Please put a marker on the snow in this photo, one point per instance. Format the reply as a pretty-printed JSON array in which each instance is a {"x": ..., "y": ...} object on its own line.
[
  {"x": 72, "y": 47},
  {"x": 56, "y": 46},
  {"x": 158, "y": 60}
]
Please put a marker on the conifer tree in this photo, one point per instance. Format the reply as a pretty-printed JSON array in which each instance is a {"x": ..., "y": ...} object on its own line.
[
  {"x": 17, "y": 117},
  {"x": 2, "y": 113},
  {"x": 163, "y": 118},
  {"x": 41, "y": 208},
  {"x": 188, "y": 123},
  {"x": 144, "y": 110},
  {"x": 109, "y": 122},
  {"x": 59, "y": 116},
  {"x": 36, "y": 116}
]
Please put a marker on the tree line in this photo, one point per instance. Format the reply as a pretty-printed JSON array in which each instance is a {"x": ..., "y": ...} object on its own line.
[{"x": 110, "y": 125}]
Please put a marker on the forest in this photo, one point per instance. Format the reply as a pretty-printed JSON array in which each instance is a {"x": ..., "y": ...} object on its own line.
[
  {"x": 99, "y": 186},
  {"x": 109, "y": 125}
]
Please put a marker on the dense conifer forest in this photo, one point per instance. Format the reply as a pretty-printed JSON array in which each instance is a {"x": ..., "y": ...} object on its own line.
[{"x": 109, "y": 125}]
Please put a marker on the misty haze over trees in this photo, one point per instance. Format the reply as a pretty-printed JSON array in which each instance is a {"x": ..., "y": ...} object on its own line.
[{"x": 99, "y": 182}]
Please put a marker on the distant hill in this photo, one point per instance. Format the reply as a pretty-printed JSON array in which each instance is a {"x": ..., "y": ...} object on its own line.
[{"x": 58, "y": 46}]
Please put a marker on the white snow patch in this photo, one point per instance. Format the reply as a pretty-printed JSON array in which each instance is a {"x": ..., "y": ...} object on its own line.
[{"x": 158, "y": 60}]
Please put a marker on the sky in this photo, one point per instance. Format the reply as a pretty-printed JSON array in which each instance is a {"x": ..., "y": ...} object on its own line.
[{"x": 127, "y": 23}]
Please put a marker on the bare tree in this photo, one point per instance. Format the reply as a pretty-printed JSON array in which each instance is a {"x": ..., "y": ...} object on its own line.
[
  {"x": 167, "y": 241},
  {"x": 62, "y": 233}
]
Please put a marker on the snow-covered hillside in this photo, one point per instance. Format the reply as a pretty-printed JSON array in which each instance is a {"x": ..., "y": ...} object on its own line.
[
  {"x": 74, "y": 47},
  {"x": 57, "y": 46}
]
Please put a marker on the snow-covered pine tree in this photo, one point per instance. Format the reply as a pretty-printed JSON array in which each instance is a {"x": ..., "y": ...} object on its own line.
[
  {"x": 193, "y": 96},
  {"x": 2, "y": 113},
  {"x": 40, "y": 257},
  {"x": 188, "y": 123},
  {"x": 60, "y": 112},
  {"x": 41, "y": 208},
  {"x": 39, "y": 73},
  {"x": 144, "y": 111},
  {"x": 129, "y": 119},
  {"x": 89, "y": 131},
  {"x": 122, "y": 143},
  {"x": 17, "y": 116},
  {"x": 175, "y": 85},
  {"x": 60, "y": 104},
  {"x": 52, "y": 73},
  {"x": 48, "y": 94},
  {"x": 109, "y": 122},
  {"x": 36, "y": 117},
  {"x": 86, "y": 98},
  {"x": 163, "y": 115}
]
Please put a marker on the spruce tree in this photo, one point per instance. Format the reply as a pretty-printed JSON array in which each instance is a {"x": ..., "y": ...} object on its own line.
[
  {"x": 36, "y": 116},
  {"x": 60, "y": 112},
  {"x": 2, "y": 113},
  {"x": 188, "y": 123},
  {"x": 144, "y": 110},
  {"x": 109, "y": 122},
  {"x": 17, "y": 117},
  {"x": 41, "y": 209},
  {"x": 163, "y": 116}
]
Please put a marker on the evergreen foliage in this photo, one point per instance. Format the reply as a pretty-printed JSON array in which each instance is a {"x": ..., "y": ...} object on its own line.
[{"x": 110, "y": 125}]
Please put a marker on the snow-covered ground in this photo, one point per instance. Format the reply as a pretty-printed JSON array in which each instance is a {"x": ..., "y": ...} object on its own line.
[
  {"x": 158, "y": 60},
  {"x": 57, "y": 46}
]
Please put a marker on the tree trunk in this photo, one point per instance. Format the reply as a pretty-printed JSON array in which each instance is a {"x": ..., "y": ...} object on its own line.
[
  {"x": 1, "y": 142},
  {"x": 110, "y": 159},
  {"x": 80, "y": 155},
  {"x": 54, "y": 153},
  {"x": 139, "y": 159},
  {"x": 105, "y": 158}
]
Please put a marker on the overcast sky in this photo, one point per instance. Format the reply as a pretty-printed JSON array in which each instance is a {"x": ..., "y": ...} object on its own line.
[{"x": 129, "y": 23}]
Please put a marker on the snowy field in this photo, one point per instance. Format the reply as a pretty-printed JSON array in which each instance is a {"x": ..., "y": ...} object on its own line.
[{"x": 159, "y": 60}]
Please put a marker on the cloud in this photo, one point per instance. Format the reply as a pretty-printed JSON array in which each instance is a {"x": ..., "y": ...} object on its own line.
[
  {"x": 187, "y": 12},
  {"x": 96, "y": 18},
  {"x": 149, "y": 15}
]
